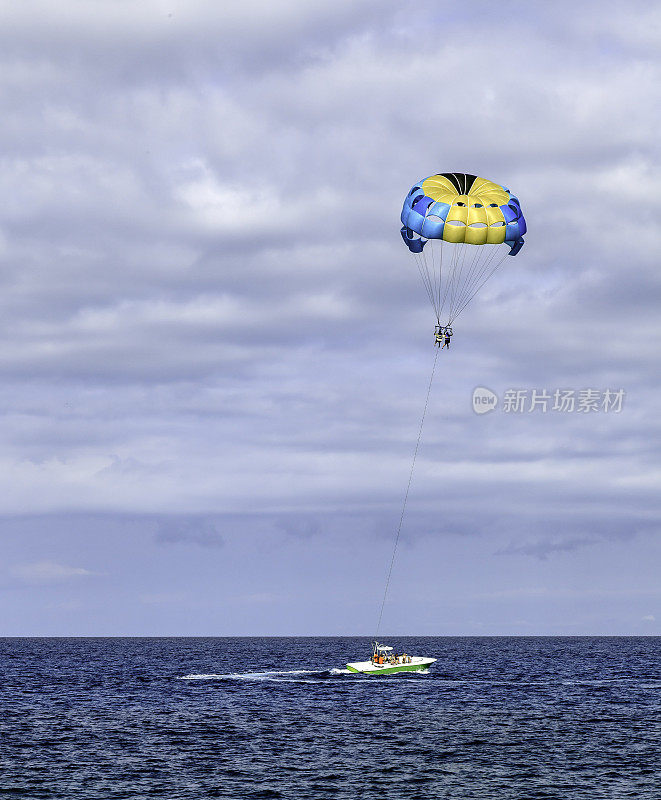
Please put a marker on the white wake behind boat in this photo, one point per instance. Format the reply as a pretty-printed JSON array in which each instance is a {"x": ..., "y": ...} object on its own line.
[{"x": 385, "y": 661}]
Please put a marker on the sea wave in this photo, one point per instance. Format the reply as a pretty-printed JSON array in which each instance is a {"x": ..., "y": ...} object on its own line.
[
  {"x": 269, "y": 675},
  {"x": 297, "y": 676}
]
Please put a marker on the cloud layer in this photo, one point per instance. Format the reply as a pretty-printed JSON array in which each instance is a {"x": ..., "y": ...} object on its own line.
[{"x": 210, "y": 330}]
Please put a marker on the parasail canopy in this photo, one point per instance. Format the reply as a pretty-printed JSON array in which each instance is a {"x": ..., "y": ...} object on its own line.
[{"x": 450, "y": 211}]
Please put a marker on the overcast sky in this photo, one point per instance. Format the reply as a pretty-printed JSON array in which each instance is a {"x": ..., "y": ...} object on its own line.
[{"x": 215, "y": 348}]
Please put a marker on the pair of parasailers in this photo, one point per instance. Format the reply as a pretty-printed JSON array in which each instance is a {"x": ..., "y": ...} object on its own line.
[{"x": 442, "y": 335}]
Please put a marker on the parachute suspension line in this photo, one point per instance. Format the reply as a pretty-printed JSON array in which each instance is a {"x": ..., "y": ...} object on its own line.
[
  {"x": 441, "y": 285},
  {"x": 423, "y": 274},
  {"x": 454, "y": 277},
  {"x": 418, "y": 262},
  {"x": 480, "y": 285},
  {"x": 461, "y": 249},
  {"x": 433, "y": 278},
  {"x": 452, "y": 286},
  {"x": 443, "y": 288},
  {"x": 473, "y": 285},
  {"x": 440, "y": 278},
  {"x": 406, "y": 496},
  {"x": 466, "y": 281},
  {"x": 429, "y": 270},
  {"x": 426, "y": 280},
  {"x": 437, "y": 271},
  {"x": 432, "y": 270}
]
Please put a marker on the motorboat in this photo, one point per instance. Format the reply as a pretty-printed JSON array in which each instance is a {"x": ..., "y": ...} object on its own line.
[{"x": 385, "y": 661}]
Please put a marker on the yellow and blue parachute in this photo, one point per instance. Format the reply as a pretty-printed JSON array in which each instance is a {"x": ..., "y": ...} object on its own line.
[{"x": 450, "y": 211}]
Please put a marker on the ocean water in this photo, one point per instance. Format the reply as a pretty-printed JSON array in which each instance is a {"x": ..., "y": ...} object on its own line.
[{"x": 495, "y": 718}]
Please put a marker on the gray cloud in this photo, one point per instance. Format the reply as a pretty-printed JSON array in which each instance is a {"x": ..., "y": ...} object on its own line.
[
  {"x": 544, "y": 548},
  {"x": 201, "y": 532},
  {"x": 45, "y": 572}
]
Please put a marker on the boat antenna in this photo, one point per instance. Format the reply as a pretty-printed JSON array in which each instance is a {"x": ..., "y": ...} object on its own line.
[{"x": 406, "y": 495}]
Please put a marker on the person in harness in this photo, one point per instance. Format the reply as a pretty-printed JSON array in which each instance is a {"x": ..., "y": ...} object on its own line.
[{"x": 447, "y": 333}]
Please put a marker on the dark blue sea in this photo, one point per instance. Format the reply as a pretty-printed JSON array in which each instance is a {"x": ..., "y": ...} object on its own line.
[{"x": 495, "y": 718}]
